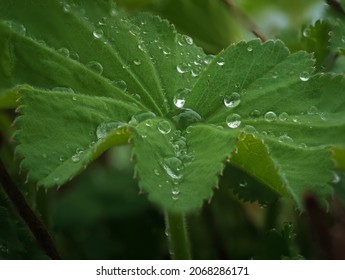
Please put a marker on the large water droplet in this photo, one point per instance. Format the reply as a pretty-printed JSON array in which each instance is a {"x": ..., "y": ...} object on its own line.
[
  {"x": 233, "y": 120},
  {"x": 186, "y": 117},
  {"x": 142, "y": 116},
  {"x": 270, "y": 116},
  {"x": 232, "y": 100},
  {"x": 173, "y": 167},
  {"x": 179, "y": 100},
  {"x": 250, "y": 129},
  {"x": 164, "y": 127},
  {"x": 304, "y": 76},
  {"x": 285, "y": 139},
  {"x": 105, "y": 128},
  {"x": 95, "y": 67}
]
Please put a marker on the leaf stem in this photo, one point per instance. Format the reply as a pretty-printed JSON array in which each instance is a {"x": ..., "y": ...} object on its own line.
[
  {"x": 176, "y": 230},
  {"x": 245, "y": 20},
  {"x": 27, "y": 214}
]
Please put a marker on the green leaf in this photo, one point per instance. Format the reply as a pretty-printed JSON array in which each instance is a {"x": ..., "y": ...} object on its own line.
[
  {"x": 178, "y": 168},
  {"x": 185, "y": 112}
]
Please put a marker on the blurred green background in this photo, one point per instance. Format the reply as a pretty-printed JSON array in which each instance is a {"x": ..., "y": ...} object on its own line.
[{"x": 102, "y": 214}]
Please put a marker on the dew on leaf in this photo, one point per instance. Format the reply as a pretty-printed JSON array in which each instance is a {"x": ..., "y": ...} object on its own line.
[
  {"x": 173, "y": 167},
  {"x": 188, "y": 40},
  {"x": 74, "y": 55},
  {"x": 249, "y": 48},
  {"x": 336, "y": 178},
  {"x": 175, "y": 191},
  {"x": 243, "y": 184},
  {"x": 186, "y": 117},
  {"x": 285, "y": 139},
  {"x": 179, "y": 100},
  {"x": 302, "y": 146},
  {"x": 232, "y": 100},
  {"x": 221, "y": 61},
  {"x": 137, "y": 62},
  {"x": 283, "y": 116},
  {"x": 76, "y": 158},
  {"x": 74, "y": 98},
  {"x": 149, "y": 123},
  {"x": 105, "y": 128},
  {"x": 312, "y": 110},
  {"x": 98, "y": 34},
  {"x": 95, "y": 67},
  {"x": 17, "y": 27},
  {"x": 250, "y": 129},
  {"x": 164, "y": 127},
  {"x": 66, "y": 8},
  {"x": 61, "y": 158},
  {"x": 275, "y": 75},
  {"x": 142, "y": 116},
  {"x": 304, "y": 76},
  {"x": 208, "y": 59},
  {"x": 121, "y": 84},
  {"x": 64, "y": 52},
  {"x": 233, "y": 120},
  {"x": 255, "y": 114},
  {"x": 182, "y": 68},
  {"x": 270, "y": 116}
]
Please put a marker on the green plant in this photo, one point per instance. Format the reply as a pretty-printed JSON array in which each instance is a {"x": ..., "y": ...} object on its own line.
[{"x": 88, "y": 77}]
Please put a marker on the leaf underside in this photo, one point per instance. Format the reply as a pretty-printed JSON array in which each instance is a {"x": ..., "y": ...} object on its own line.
[{"x": 100, "y": 78}]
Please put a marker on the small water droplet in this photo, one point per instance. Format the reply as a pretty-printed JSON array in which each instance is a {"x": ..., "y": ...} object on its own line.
[
  {"x": 149, "y": 123},
  {"x": 182, "y": 68},
  {"x": 232, "y": 100},
  {"x": 66, "y": 8},
  {"x": 137, "y": 62},
  {"x": 243, "y": 184},
  {"x": 323, "y": 116},
  {"x": 121, "y": 85},
  {"x": 283, "y": 116},
  {"x": 233, "y": 120},
  {"x": 156, "y": 172},
  {"x": 188, "y": 40},
  {"x": 17, "y": 27},
  {"x": 76, "y": 158},
  {"x": 74, "y": 98},
  {"x": 95, "y": 67},
  {"x": 74, "y": 55},
  {"x": 306, "y": 32},
  {"x": 336, "y": 178},
  {"x": 142, "y": 116},
  {"x": 175, "y": 191},
  {"x": 312, "y": 110},
  {"x": 249, "y": 48},
  {"x": 173, "y": 167},
  {"x": 255, "y": 114},
  {"x": 98, "y": 34},
  {"x": 64, "y": 52},
  {"x": 304, "y": 76},
  {"x": 107, "y": 127},
  {"x": 270, "y": 116},
  {"x": 302, "y": 145},
  {"x": 208, "y": 59},
  {"x": 166, "y": 51},
  {"x": 61, "y": 158},
  {"x": 221, "y": 61},
  {"x": 275, "y": 75},
  {"x": 164, "y": 127},
  {"x": 56, "y": 178}
]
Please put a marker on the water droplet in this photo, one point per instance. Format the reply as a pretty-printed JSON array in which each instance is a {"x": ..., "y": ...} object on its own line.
[
  {"x": 275, "y": 75},
  {"x": 137, "y": 62},
  {"x": 166, "y": 51},
  {"x": 182, "y": 68},
  {"x": 175, "y": 191},
  {"x": 250, "y": 129},
  {"x": 179, "y": 101},
  {"x": 255, "y": 114},
  {"x": 249, "y": 48},
  {"x": 61, "y": 158},
  {"x": 63, "y": 89},
  {"x": 121, "y": 85},
  {"x": 74, "y": 98},
  {"x": 306, "y": 32},
  {"x": 164, "y": 127},
  {"x": 285, "y": 139},
  {"x": 304, "y": 76},
  {"x": 98, "y": 34},
  {"x": 323, "y": 116},
  {"x": 188, "y": 40},
  {"x": 270, "y": 116},
  {"x": 66, "y": 8},
  {"x": 312, "y": 110},
  {"x": 283, "y": 116},
  {"x": 74, "y": 55},
  {"x": 56, "y": 178},
  {"x": 107, "y": 127},
  {"x": 221, "y": 61},
  {"x": 233, "y": 120},
  {"x": 336, "y": 178},
  {"x": 243, "y": 184},
  {"x": 232, "y": 100},
  {"x": 173, "y": 167},
  {"x": 76, "y": 158},
  {"x": 64, "y": 52},
  {"x": 195, "y": 72},
  {"x": 149, "y": 123},
  {"x": 208, "y": 59},
  {"x": 186, "y": 117},
  {"x": 95, "y": 67},
  {"x": 156, "y": 172},
  {"x": 142, "y": 116},
  {"x": 295, "y": 120},
  {"x": 302, "y": 146}
]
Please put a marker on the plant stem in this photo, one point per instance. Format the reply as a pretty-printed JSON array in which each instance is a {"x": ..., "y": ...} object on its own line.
[
  {"x": 27, "y": 214},
  {"x": 245, "y": 20},
  {"x": 176, "y": 230}
]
